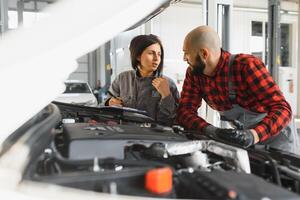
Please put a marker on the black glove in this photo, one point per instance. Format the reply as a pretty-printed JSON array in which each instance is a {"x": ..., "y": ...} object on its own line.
[{"x": 243, "y": 138}]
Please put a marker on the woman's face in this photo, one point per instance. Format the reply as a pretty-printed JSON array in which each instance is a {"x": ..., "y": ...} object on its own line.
[{"x": 150, "y": 58}]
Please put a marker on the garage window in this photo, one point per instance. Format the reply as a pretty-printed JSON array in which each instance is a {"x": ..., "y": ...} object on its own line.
[{"x": 257, "y": 28}]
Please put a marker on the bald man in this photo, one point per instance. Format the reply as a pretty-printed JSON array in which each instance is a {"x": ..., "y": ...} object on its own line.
[{"x": 240, "y": 88}]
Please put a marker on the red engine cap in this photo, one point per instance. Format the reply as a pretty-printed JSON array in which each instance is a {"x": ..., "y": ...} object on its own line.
[{"x": 159, "y": 181}]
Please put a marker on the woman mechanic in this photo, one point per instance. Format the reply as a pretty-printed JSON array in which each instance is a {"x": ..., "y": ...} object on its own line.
[{"x": 144, "y": 87}]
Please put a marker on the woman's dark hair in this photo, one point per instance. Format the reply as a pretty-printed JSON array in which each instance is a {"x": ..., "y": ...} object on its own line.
[{"x": 138, "y": 44}]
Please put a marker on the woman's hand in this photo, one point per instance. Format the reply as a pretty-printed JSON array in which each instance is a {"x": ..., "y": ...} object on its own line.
[
  {"x": 162, "y": 86},
  {"x": 115, "y": 102}
]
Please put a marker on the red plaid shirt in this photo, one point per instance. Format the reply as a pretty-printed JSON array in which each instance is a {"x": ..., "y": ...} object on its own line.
[{"x": 255, "y": 91}]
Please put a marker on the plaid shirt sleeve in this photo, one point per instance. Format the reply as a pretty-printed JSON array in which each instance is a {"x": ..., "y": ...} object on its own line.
[
  {"x": 268, "y": 95},
  {"x": 190, "y": 101}
]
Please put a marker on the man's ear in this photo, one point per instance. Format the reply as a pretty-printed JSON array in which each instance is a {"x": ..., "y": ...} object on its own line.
[{"x": 203, "y": 53}]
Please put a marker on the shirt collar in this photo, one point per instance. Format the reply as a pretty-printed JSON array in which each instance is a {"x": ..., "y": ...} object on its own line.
[{"x": 223, "y": 60}]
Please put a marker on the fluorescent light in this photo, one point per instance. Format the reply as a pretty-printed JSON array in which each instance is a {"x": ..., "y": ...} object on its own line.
[
  {"x": 119, "y": 50},
  {"x": 261, "y": 10}
]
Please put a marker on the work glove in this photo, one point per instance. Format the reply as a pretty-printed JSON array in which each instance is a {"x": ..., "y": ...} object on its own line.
[{"x": 243, "y": 138}]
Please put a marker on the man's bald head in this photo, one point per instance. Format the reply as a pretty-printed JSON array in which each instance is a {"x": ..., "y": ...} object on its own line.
[{"x": 203, "y": 37}]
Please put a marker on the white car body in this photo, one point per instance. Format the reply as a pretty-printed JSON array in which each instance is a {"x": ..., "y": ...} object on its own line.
[
  {"x": 77, "y": 92},
  {"x": 41, "y": 58}
]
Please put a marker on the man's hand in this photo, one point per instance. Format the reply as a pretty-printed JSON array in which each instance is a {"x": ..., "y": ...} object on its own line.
[
  {"x": 162, "y": 86},
  {"x": 115, "y": 102},
  {"x": 244, "y": 138}
]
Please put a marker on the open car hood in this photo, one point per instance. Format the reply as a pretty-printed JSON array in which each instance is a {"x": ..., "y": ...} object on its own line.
[{"x": 35, "y": 61}]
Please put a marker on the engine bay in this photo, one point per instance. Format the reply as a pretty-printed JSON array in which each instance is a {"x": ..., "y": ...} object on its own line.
[{"x": 118, "y": 155}]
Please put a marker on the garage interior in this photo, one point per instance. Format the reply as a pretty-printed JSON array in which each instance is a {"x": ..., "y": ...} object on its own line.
[{"x": 245, "y": 21}]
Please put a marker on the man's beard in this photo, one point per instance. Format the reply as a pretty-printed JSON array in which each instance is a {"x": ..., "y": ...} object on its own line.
[{"x": 198, "y": 67}]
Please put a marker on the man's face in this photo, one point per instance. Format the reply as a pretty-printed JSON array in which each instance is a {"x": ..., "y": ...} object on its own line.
[{"x": 193, "y": 59}]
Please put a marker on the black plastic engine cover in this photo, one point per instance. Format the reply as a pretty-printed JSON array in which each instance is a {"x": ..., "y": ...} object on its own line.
[
  {"x": 228, "y": 185},
  {"x": 85, "y": 141}
]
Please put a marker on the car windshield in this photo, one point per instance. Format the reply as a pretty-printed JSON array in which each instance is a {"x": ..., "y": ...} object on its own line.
[{"x": 77, "y": 88}]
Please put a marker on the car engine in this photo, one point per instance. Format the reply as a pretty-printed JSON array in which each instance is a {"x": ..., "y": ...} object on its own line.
[{"x": 114, "y": 152}]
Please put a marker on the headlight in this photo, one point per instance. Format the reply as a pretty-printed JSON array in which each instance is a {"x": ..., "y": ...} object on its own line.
[{"x": 92, "y": 102}]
